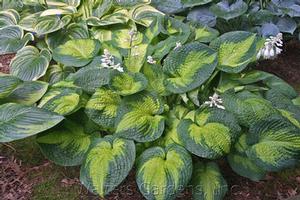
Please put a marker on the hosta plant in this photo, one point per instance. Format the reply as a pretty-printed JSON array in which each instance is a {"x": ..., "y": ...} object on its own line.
[{"x": 115, "y": 86}]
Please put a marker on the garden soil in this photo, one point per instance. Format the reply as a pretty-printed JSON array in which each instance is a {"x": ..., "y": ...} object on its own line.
[{"x": 276, "y": 186}]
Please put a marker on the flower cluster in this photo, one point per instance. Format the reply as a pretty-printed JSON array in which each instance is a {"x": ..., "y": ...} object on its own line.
[
  {"x": 150, "y": 60},
  {"x": 272, "y": 47},
  {"x": 216, "y": 101},
  {"x": 108, "y": 61}
]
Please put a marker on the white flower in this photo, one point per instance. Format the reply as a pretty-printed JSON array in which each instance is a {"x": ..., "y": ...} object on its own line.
[
  {"x": 178, "y": 45},
  {"x": 272, "y": 47},
  {"x": 150, "y": 60},
  {"x": 216, "y": 101},
  {"x": 108, "y": 61}
]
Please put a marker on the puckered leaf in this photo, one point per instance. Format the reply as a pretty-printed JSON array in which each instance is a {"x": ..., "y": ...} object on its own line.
[
  {"x": 77, "y": 53},
  {"x": 235, "y": 50},
  {"x": 30, "y": 64},
  {"x": 241, "y": 164},
  {"x": 42, "y": 25},
  {"x": 102, "y": 107},
  {"x": 12, "y": 89},
  {"x": 9, "y": 17},
  {"x": 139, "y": 118},
  {"x": 92, "y": 76},
  {"x": 72, "y": 31},
  {"x": 202, "y": 16},
  {"x": 65, "y": 145},
  {"x": 275, "y": 144},
  {"x": 247, "y": 107},
  {"x": 12, "y": 39},
  {"x": 212, "y": 133},
  {"x": 127, "y": 83},
  {"x": 189, "y": 66},
  {"x": 163, "y": 173},
  {"x": 107, "y": 164},
  {"x": 63, "y": 98},
  {"x": 208, "y": 182},
  {"x": 19, "y": 121},
  {"x": 229, "y": 81},
  {"x": 227, "y": 11},
  {"x": 56, "y": 73}
]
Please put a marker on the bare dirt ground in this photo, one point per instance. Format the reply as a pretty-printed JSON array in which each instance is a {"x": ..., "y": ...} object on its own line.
[{"x": 26, "y": 174}]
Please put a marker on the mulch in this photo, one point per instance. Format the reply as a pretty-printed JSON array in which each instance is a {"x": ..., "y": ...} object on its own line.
[
  {"x": 5, "y": 61},
  {"x": 13, "y": 181},
  {"x": 14, "y": 185}
]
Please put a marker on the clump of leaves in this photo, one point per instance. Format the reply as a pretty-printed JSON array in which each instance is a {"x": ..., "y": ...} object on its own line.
[{"x": 110, "y": 85}]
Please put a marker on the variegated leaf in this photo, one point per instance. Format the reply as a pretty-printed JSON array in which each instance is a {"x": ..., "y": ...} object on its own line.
[
  {"x": 19, "y": 121},
  {"x": 107, "y": 164}
]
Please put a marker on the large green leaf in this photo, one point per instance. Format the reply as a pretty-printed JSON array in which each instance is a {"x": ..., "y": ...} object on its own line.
[
  {"x": 173, "y": 119},
  {"x": 205, "y": 34},
  {"x": 42, "y": 25},
  {"x": 139, "y": 118},
  {"x": 241, "y": 164},
  {"x": 12, "y": 39},
  {"x": 63, "y": 98},
  {"x": 189, "y": 66},
  {"x": 227, "y": 10},
  {"x": 12, "y": 4},
  {"x": 77, "y": 53},
  {"x": 60, "y": 3},
  {"x": 102, "y": 107},
  {"x": 30, "y": 64},
  {"x": 107, "y": 164},
  {"x": 12, "y": 89},
  {"x": 275, "y": 144},
  {"x": 177, "y": 31},
  {"x": 127, "y": 83},
  {"x": 65, "y": 145},
  {"x": 19, "y": 121},
  {"x": 119, "y": 16},
  {"x": 235, "y": 50},
  {"x": 122, "y": 36},
  {"x": 156, "y": 78},
  {"x": 247, "y": 107},
  {"x": 168, "y": 6},
  {"x": 212, "y": 133},
  {"x": 9, "y": 17},
  {"x": 72, "y": 31},
  {"x": 144, "y": 14},
  {"x": 97, "y": 8},
  {"x": 163, "y": 173},
  {"x": 208, "y": 182},
  {"x": 192, "y": 3},
  {"x": 8, "y": 84},
  {"x": 130, "y": 3}
]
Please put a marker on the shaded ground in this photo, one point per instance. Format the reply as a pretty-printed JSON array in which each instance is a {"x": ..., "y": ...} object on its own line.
[{"x": 26, "y": 174}]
